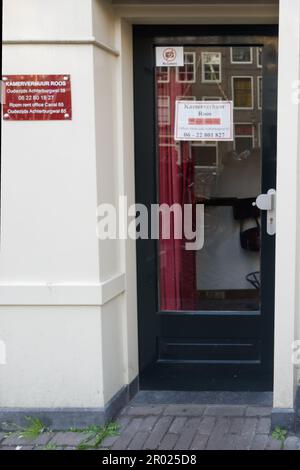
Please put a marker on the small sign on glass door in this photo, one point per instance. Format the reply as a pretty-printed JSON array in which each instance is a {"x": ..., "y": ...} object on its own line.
[{"x": 169, "y": 56}]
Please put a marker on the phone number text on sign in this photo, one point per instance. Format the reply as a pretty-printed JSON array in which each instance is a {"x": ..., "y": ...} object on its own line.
[
  {"x": 37, "y": 98},
  {"x": 203, "y": 120}
]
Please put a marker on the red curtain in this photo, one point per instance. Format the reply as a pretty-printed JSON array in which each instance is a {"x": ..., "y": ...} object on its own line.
[{"x": 177, "y": 266}]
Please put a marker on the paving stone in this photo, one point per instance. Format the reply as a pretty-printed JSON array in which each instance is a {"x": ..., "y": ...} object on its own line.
[
  {"x": 258, "y": 411},
  {"x": 216, "y": 440},
  {"x": 178, "y": 424},
  {"x": 273, "y": 444},
  {"x": 138, "y": 441},
  {"x": 206, "y": 425},
  {"x": 25, "y": 448},
  {"x": 259, "y": 442},
  {"x": 236, "y": 425},
  {"x": 144, "y": 410},
  {"x": 15, "y": 440},
  {"x": 17, "y": 447},
  {"x": 217, "y": 443},
  {"x": 148, "y": 423},
  {"x": 187, "y": 434},
  {"x": 245, "y": 437},
  {"x": 68, "y": 438},
  {"x": 110, "y": 440},
  {"x": 263, "y": 426},
  {"x": 168, "y": 441},
  {"x": 127, "y": 435},
  {"x": 7, "y": 448},
  {"x": 158, "y": 432},
  {"x": 229, "y": 442},
  {"x": 184, "y": 410},
  {"x": 122, "y": 422},
  {"x": 225, "y": 410},
  {"x": 292, "y": 443},
  {"x": 199, "y": 442}
]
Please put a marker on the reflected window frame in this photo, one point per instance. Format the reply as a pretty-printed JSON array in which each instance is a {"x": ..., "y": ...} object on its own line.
[
  {"x": 211, "y": 98},
  {"x": 259, "y": 92},
  {"x": 245, "y": 136},
  {"x": 242, "y": 62},
  {"x": 193, "y": 63},
  {"x": 203, "y": 63},
  {"x": 233, "y": 77},
  {"x": 259, "y": 52},
  {"x": 159, "y": 70},
  {"x": 203, "y": 143},
  {"x": 164, "y": 106}
]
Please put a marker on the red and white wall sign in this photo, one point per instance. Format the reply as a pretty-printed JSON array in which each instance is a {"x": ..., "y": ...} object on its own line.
[{"x": 37, "y": 98}]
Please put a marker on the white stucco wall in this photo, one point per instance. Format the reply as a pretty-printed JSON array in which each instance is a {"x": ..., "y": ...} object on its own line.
[
  {"x": 53, "y": 357},
  {"x": 62, "y": 290}
]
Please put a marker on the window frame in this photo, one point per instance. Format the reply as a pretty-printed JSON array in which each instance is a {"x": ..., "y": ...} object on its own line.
[
  {"x": 168, "y": 70},
  {"x": 259, "y": 101},
  {"x": 238, "y": 61},
  {"x": 211, "y": 98},
  {"x": 187, "y": 97},
  {"x": 244, "y": 136},
  {"x": 259, "y": 137},
  {"x": 196, "y": 143},
  {"x": 188, "y": 63},
  {"x": 257, "y": 57},
  {"x": 203, "y": 64},
  {"x": 168, "y": 107},
  {"x": 252, "y": 92}
]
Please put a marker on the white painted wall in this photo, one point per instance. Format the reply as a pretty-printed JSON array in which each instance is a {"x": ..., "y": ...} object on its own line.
[
  {"x": 68, "y": 286},
  {"x": 53, "y": 357},
  {"x": 47, "y": 19},
  {"x": 48, "y": 180}
]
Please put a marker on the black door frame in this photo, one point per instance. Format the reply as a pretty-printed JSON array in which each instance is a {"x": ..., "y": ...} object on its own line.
[{"x": 145, "y": 38}]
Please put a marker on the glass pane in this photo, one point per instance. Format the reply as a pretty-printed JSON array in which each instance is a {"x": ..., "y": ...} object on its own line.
[
  {"x": 242, "y": 92},
  {"x": 241, "y": 54},
  {"x": 223, "y": 178}
]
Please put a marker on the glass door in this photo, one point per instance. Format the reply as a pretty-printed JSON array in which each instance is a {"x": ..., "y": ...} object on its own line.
[{"x": 206, "y": 314}]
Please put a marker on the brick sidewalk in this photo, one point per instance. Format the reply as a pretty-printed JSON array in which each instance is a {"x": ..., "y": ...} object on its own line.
[
  {"x": 178, "y": 427},
  {"x": 196, "y": 427}
]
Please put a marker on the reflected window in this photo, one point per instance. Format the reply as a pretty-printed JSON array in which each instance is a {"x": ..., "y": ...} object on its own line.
[
  {"x": 259, "y": 57},
  {"x": 244, "y": 137},
  {"x": 185, "y": 98},
  {"x": 211, "y": 67},
  {"x": 163, "y": 74},
  {"x": 241, "y": 55},
  {"x": 187, "y": 73},
  {"x": 211, "y": 98},
  {"x": 242, "y": 92},
  {"x": 163, "y": 110},
  {"x": 205, "y": 154},
  {"x": 259, "y": 92}
]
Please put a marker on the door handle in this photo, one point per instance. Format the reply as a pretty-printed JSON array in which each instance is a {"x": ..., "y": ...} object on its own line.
[{"x": 267, "y": 202}]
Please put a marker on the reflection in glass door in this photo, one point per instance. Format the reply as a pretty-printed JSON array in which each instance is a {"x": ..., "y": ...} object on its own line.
[{"x": 224, "y": 275}]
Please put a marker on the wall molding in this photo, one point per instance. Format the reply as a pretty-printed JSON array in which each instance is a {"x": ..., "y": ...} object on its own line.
[
  {"x": 63, "y": 42},
  {"x": 62, "y": 294}
]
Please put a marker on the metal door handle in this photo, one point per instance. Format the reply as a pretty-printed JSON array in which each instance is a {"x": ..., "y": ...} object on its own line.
[{"x": 267, "y": 202}]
